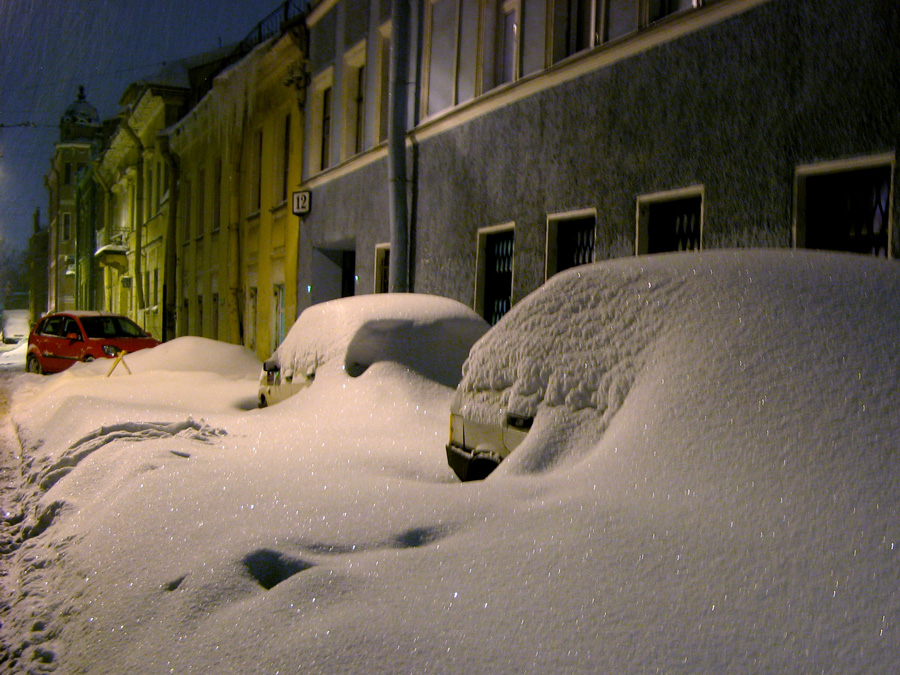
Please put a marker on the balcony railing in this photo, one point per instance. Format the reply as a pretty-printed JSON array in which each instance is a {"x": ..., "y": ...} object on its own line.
[{"x": 272, "y": 24}]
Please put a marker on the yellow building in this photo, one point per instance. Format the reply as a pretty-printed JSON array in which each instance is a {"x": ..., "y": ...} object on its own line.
[
  {"x": 135, "y": 173},
  {"x": 238, "y": 156}
]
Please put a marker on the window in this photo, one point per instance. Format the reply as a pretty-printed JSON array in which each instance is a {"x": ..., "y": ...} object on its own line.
[
  {"x": 382, "y": 268},
  {"x": 354, "y": 101},
  {"x": 582, "y": 24},
  {"x": 384, "y": 77},
  {"x": 502, "y": 36},
  {"x": 250, "y": 327},
  {"x": 67, "y": 226},
  {"x": 451, "y": 53},
  {"x": 494, "y": 281},
  {"x": 256, "y": 172},
  {"x": 320, "y": 137},
  {"x": 670, "y": 221},
  {"x": 442, "y": 28},
  {"x": 186, "y": 210},
  {"x": 217, "y": 196},
  {"x": 570, "y": 240},
  {"x": 326, "y": 129},
  {"x": 659, "y": 9},
  {"x": 201, "y": 203},
  {"x": 845, "y": 206},
  {"x": 280, "y": 328},
  {"x": 214, "y": 319},
  {"x": 67, "y": 173},
  {"x": 199, "y": 315},
  {"x": 282, "y": 163}
]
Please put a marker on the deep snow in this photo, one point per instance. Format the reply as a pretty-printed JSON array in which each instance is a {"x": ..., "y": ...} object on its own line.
[{"x": 732, "y": 506}]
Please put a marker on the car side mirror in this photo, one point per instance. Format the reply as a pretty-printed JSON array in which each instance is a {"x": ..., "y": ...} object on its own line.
[
  {"x": 271, "y": 366},
  {"x": 74, "y": 337}
]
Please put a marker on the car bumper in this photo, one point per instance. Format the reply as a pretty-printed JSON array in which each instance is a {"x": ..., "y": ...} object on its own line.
[{"x": 459, "y": 459}]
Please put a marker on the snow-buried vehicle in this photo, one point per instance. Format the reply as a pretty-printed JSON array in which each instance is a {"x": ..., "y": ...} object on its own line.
[
  {"x": 428, "y": 334},
  {"x": 551, "y": 375}
]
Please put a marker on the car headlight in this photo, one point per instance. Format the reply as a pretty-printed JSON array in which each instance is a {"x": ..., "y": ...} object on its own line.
[{"x": 111, "y": 350}]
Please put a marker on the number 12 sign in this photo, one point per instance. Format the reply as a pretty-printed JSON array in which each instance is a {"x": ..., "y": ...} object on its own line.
[{"x": 302, "y": 201}]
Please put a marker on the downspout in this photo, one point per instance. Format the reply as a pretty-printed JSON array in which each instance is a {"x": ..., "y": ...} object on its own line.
[
  {"x": 138, "y": 214},
  {"x": 170, "y": 279},
  {"x": 398, "y": 268}
]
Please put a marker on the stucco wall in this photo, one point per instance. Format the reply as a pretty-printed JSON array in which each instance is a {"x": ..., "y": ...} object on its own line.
[{"x": 734, "y": 107}]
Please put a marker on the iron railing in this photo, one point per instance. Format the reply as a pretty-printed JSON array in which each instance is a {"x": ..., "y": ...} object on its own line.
[{"x": 272, "y": 24}]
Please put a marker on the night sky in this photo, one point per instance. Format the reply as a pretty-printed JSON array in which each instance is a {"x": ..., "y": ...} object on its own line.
[{"x": 49, "y": 48}]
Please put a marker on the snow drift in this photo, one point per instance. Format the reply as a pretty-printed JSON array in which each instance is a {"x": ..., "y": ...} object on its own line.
[{"x": 728, "y": 503}]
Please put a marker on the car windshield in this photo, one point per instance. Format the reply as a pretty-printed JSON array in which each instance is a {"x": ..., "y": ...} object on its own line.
[{"x": 111, "y": 327}]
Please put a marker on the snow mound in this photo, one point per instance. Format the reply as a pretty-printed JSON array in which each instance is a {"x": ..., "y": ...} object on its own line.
[
  {"x": 733, "y": 508},
  {"x": 14, "y": 359},
  {"x": 184, "y": 354},
  {"x": 428, "y": 334}
]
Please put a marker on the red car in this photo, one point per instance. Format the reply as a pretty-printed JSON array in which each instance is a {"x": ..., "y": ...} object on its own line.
[{"x": 59, "y": 340}]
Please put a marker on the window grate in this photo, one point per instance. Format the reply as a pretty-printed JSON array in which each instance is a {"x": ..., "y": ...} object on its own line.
[
  {"x": 498, "y": 275},
  {"x": 575, "y": 243},
  {"x": 674, "y": 225}
]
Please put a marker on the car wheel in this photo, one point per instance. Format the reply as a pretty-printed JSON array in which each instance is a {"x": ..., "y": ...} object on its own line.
[
  {"x": 88, "y": 358},
  {"x": 263, "y": 402},
  {"x": 32, "y": 365}
]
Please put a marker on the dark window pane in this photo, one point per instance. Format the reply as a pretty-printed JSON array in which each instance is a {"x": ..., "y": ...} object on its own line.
[
  {"x": 848, "y": 211},
  {"x": 674, "y": 225}
]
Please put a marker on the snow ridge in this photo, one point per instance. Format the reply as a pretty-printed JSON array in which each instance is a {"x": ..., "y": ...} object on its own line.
[{"x": 130, "y": 431}]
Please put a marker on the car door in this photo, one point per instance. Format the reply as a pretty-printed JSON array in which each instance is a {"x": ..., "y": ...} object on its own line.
[{"x": 50, "y": 342}]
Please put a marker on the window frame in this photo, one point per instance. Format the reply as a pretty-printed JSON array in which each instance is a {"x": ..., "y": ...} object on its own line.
[
  {"x": 383, "y": 82},
  {"x": 481, "y": 240},
  {"x": 642, "y": 215},
  {"x": 319, "y": 140},
  {"x": 381, "y": 277},
  {"x": 599, "y": 25},
  {"x": 804, "y": 171},
  {"x": 355, "y": 86},
  {"x": 551, "y": 257}
]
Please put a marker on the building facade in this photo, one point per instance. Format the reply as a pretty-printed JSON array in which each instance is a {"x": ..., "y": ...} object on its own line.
[
  {"x": 79, "y": 131},
  {"x": 238, "y": 156},
  {"x": 547, "y": 134},
  {"x": 537, "y": 135}
]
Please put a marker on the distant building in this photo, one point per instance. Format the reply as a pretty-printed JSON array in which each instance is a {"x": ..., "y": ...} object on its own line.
[{"x": 79, "y": 127}]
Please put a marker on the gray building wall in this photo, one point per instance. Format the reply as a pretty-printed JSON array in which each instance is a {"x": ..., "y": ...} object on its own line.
[{"x": 735, "y": 107}]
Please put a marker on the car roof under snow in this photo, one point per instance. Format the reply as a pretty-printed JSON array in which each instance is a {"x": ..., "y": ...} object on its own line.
[
  {"x": 580, "y": 340},
  {"x": 428, "y": 333}
]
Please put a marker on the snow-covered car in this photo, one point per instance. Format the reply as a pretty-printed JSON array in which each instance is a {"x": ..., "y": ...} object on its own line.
[
  {"x": 557, "y": 368},
  {"x": 14, "y": 325},
  {"x": 428, "y": 334},
  {"x": 60, "y": 339}
]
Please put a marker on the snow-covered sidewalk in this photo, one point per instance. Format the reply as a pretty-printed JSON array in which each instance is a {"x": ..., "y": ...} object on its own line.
[{"x": 738, "y": 514}]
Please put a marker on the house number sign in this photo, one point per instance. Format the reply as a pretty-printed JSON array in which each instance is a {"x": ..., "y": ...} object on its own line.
[{"x": 302, "y": 200}]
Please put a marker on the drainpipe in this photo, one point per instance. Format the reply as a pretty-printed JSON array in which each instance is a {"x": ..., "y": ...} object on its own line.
[
  {"x": 398, "y": 269},
  {"x": 170, "y": 279},
  {"x": 138, "y": 213}
]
